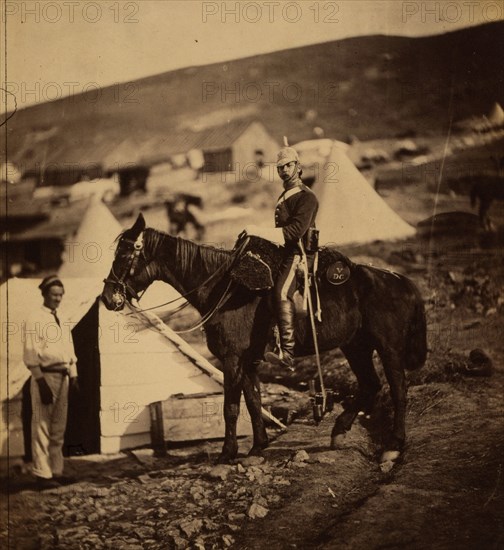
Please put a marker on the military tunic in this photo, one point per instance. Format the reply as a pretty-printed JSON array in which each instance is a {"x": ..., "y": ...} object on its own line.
[{"x": 295, "y": 213}]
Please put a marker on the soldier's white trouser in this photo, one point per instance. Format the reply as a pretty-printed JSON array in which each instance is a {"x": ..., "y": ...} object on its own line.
[{"x": 48, "y": 426}]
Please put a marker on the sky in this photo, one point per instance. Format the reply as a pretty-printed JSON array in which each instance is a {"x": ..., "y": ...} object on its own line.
[{"x": 55, "y": 48}]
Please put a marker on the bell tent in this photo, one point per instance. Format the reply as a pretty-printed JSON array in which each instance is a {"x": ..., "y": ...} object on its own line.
[
  {"x": 90, "y": 252},
  {"x": 496, "y": 116},
  {"x": 350, "y": 210}
]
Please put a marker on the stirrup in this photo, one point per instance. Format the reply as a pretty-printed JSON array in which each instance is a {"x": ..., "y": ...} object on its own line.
[{"x": 278, "y": 359}]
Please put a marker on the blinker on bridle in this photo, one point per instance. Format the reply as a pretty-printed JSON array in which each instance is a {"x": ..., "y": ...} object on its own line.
[{"x": 122, "y": 288}]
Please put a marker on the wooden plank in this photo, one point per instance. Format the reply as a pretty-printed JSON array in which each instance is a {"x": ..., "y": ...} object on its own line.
[
  {"x": 202, "y": 406},
  {"x": 192, "y": 418},
  {"x": 193, "y": 429},
  {"x": 158, "y": 443},
  {"x": 194, "y": 406}
]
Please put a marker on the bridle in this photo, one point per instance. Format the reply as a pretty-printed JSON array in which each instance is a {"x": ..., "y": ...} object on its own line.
[{"x": 122, "y": 288}]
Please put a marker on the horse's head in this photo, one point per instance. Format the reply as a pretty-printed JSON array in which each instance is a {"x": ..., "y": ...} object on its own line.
[{"x": 129, "y": 274}]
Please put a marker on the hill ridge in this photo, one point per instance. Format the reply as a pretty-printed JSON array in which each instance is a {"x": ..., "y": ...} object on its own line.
[{"x": 368, "y": 86}]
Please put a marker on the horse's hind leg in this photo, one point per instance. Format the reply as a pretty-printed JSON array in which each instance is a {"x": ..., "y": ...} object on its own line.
[
  {"x": 232, "y": 393},
  {"x": 394, "y": 371},
  {"x": 360, "y": 358},
  {"x": 252, "y": 393}
]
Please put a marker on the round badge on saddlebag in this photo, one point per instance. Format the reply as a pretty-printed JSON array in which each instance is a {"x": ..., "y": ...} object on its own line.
[{"x": 338, "y": 273}]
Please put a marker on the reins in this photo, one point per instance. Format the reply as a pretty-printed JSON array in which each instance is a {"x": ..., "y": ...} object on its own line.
[
  {"x": 184, "y": 296},
  {"x": 220, "y": 302}
]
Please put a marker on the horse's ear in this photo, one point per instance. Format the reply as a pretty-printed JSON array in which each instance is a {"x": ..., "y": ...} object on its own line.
[{"x": 139, "y": 225}]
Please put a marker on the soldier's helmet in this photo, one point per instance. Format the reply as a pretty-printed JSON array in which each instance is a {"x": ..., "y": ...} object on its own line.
[{"x": 286, "y": 155}]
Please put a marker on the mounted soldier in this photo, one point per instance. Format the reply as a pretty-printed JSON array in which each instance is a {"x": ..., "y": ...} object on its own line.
[{"x": 295, "y": 214}]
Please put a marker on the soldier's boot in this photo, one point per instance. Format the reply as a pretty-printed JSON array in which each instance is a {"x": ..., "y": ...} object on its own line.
[{"x": 286, "y": 324}]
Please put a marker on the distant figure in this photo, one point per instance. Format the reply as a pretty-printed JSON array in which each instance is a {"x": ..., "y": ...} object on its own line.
[
  {"x": 180, "y": 212},
  {"x": 259, "y": 158},
  {"x": 486, "y": 190},
  {"x": 50, "y": 357}
]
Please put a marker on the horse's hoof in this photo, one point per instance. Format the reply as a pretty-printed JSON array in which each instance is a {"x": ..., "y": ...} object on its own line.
[
  {"x": 337, "y": 441},
  {"x": 224, "y": 459},
  {"x": 390, "y": 456},
  {"x": 256, "y": 451},
  {"x": 386, "y": 467}
]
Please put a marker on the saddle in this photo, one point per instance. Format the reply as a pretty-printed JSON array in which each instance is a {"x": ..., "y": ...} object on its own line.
[{"x": 259, "y": 262}]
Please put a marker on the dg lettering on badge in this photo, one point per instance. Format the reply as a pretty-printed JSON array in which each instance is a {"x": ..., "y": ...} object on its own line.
[{"x": 338, "y": 273}]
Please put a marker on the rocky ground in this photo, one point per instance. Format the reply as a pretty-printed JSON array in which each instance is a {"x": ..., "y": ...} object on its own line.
[{"x": 444, "y": 492}]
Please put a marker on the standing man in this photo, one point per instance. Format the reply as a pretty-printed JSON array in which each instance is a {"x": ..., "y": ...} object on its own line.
[
  {"x": 50, "y": 356},
  {"x": 295, "y": 214}
]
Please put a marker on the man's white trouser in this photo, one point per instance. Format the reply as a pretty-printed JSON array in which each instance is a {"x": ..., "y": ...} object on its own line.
[{"x": 48, "y": 426}]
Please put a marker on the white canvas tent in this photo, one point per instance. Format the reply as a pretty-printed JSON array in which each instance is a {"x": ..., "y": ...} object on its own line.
[
  {"x": 350, "y": 210},
  {"x": 90, "y": 252},
  {"x": 496, "y": 116}
]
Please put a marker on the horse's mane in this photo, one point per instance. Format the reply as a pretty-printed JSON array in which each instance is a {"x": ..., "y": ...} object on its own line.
[
  {"x": 189, "y": 255},
  {"x": 201, "y": 257}
]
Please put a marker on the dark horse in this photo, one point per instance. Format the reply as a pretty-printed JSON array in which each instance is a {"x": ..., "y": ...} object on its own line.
[
  {"x": 486, "y": 190},
  {"x": 373, "y": 310}
]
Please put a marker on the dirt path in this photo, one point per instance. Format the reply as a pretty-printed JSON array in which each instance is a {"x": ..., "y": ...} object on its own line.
[
  {"x": 446, "y": 493},
  {"x": 447, "y": 490}
]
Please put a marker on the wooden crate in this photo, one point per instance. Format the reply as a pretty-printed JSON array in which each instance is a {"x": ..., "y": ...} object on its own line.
[{"x": 195, "y": 417}]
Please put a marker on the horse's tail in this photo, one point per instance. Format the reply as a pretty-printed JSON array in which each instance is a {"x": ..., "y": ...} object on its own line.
[
  {"x": 474, "y": 194},
  {"x": 416, "y": 352}
]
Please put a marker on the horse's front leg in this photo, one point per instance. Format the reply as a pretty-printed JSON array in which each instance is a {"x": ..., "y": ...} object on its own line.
[
  {"x": 252, "y": 393},
  {"x": 233, "y": 380}
]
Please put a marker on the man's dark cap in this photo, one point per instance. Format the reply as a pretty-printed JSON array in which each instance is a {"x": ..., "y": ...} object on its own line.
[{"x": 49, "y": 281}]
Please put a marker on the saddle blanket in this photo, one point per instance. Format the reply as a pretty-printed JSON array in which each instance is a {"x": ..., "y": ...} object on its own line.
[{"x": 258, "y": 265}]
